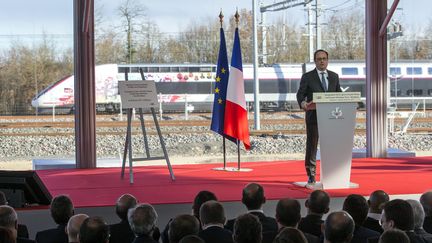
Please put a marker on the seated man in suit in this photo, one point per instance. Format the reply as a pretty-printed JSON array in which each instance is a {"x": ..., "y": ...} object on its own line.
[
  {"x": 9, "y": 220},
  {"x": 398, "y": 214},
  {"x": 247, "y": 229},
  {"x": 61, "y": 209},
  {"x": 212, "y": 216},
  {"x": 142, "y": 220},
  {"x": 393, "y": 236},
  {"x": 288, "y": 214},
  {"x": 181, "y": 226},
  {"x": 121, "y": 232},
  {"x": 338, "y": 227},
  {"x": 94, "y": 230},
  {"x": 426, "y": 202},
  {"x": 291, "y": 235},
  {"x": 317, "y": 205},
  {"x": 419, "y": 216},
  {"x": 22, "y": 228},
  {"x": 376, "y": 201},
  {"x": 73, "y": 227},
  {"x": 356, "y": 205},
  {"x": 253, "y": 198}
]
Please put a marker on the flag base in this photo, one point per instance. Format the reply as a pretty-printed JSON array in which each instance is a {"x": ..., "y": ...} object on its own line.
[{"x": 233, "y": 169}]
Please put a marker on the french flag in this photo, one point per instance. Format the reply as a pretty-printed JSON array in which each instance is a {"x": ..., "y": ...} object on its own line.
[{"x": 235, "y": 121}]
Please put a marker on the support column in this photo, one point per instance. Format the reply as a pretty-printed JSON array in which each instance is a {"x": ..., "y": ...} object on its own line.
[
  {"x": 84, "y": 66},
  {"x": 376, "y": 80}
]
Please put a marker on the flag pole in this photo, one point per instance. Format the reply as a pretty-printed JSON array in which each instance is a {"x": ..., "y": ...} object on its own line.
[
  {"x": 221, "y": 16},
  {"x": 238, "y": 154}
]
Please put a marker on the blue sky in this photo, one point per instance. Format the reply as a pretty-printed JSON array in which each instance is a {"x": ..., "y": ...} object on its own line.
[{"x": 26, "y": 18}]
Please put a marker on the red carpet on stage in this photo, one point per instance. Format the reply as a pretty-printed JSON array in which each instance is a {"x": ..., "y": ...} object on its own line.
[{"x": 102, "y": 186}]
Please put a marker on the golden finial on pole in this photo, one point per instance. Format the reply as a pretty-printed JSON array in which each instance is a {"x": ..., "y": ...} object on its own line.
[
  {"x": 221, "y": 18},
  {"x": 237, "y": 17}
]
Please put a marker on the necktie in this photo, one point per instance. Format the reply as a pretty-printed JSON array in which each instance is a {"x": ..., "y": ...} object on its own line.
[{"x": 323, "y": 81}]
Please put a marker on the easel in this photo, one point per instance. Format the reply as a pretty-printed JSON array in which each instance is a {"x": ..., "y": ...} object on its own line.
[{"x": 128, "y": 143}]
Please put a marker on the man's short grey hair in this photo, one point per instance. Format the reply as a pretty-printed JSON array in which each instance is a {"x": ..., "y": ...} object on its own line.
[
  {"x": 418, "y": 212},
  {"x": 142, "y": 219},
  {"x": 8, "y": 216}
]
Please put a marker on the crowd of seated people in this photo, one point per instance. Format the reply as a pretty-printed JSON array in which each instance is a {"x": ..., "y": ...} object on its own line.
[{"x": 360, "y": 220}]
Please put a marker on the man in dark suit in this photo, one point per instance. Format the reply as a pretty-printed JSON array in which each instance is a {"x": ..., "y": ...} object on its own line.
[
  {"x": 419, "y": 216},
  {"x": 61, "y": 210},
  {"x": 376, "y": 201},
  {"x": 212, "y": 217},
  {"x": 426, "y": 202},
  {"x": 121, "y": 232},
  {"x": 142, "y": 220},
  {"x": 73, "y": 227},
  {"x": 181, "y": 226},
  {"x": 253, "y": 198},
  {"x": 94, "y": 230},
  {"x": 356, "y": 205},
  {"x": 317, "y": 205},
  {"x": 22, "y": 228},
  {"x": 247, "y": 229},
  {"x": 318, "y": 80},
  {"x": 338, "y": 227}
]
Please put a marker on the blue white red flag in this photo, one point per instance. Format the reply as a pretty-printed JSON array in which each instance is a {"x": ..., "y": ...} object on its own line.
[{"x": 236, "y": 122}]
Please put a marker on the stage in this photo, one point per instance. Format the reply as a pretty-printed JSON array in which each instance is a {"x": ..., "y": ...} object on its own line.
[{"x": 102, "y": 186}]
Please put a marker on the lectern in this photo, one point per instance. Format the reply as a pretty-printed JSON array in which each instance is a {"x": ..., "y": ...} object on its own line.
[{"x": 336, "y": 114}]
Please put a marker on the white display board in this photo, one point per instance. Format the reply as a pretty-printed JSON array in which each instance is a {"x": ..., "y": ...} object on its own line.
[{"x": 138, "y": 94}]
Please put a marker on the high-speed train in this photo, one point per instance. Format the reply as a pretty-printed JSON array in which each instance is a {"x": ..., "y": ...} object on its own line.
[{"x": 179, "y": 85}]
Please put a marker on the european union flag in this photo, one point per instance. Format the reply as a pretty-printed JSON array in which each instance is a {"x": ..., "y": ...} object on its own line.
[{"x": 222, "y": 74}]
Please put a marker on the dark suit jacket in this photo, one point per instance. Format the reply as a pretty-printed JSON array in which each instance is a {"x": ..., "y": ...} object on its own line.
[
  {"x": 427, "y": 225},
  {"x": 309, "y": 237},
  {"x": 121, "y": 233},
  {"x": 373, "y": 224},
  {"x": 363, "y": 234},
  {"x": 310, "y": 83},
  {"x": 56, "y": 235},
  {"x": 23, "y": 231},
  {"x": 415, "y": 238},
  {"x": 144, "y": 239},
  {"x": 422, "y": 233},
  {"x": 268, "y": 223},
  {"x": 215, "y": 234},
  {"x": 24, "y": 240},
  {"x": 311, "y": 224}
]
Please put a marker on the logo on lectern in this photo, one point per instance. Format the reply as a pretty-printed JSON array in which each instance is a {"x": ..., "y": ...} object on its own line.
[{"x": 337, "y": 113}]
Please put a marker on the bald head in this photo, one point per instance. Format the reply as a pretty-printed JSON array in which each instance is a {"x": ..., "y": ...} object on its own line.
[
  {"x": 74, "y": 225},
  {"x": 418, "y": 213},
  {"x": 376, "y": 201},
  {"x": 253, "y": 196},
  {"x": 9, "y": 219},
  {"x": 124, "y": 203},
  {"x": 338, "y": 227}
]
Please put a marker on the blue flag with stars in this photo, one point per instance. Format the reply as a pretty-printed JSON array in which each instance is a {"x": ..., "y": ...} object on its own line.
[{"x": 221, "y": 83}]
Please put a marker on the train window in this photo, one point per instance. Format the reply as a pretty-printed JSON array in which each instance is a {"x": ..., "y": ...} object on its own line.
[
  {"x": 414, "y": 70},
  {"x": 214, "y": 69},
  {"x": 134, "y": 70},
  {"x": 194, "y": 69},
  {"x": 205, "y": 69},
  {"x": 349, "y": 71},
  {"x": 153, "y": 69},
  {"x": 145, "y": 69},
  {"x": 429, "y": 92},
  {"x": 417, "y": 92},
  {"x": 399, "y": 92},
  {"x": 174, "y": 69},
  {"x": 123, "y": 69},
  {"x": 395, "y": 71},
  {"x": 429, "y": 70},
  {"x": 164, "y": 69},
  {"x": 183, "y": 69}
]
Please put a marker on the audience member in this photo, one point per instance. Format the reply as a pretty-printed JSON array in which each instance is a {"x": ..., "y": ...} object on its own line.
[
  {"x": 122, "y": 232},
  {"x": 212, "y": 216},
  {"x": 61, "y": 210},
  {"x": 356, "y": 205},
  {"x": 253, "y": 198},
  {"x": 290, "y": 235},
  {"x": 399, "y": 214},
  {"x": 73, "y": 227},
  {"x": 142, "y": 220},
  {"x": 338, "y": 227},
  {"x": 94, "y": 230},
  {"x": 426, "y": 202},
  {"x": 22, "y": 228},
  {"x": 376, "y": 201},
  {"x": 288, "y": 214},
  {"x": 317, "y": 205},
  {"x": 9, "y": 220},
  {"x": 200, "y": 198},
  {"x": 247, "y": 229},
  {"x": 419, "y": 215},
  {"x": 394, "y": 236},
  {"x": 191, "y": 239},
  {"x": 181, "y": 226}
]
